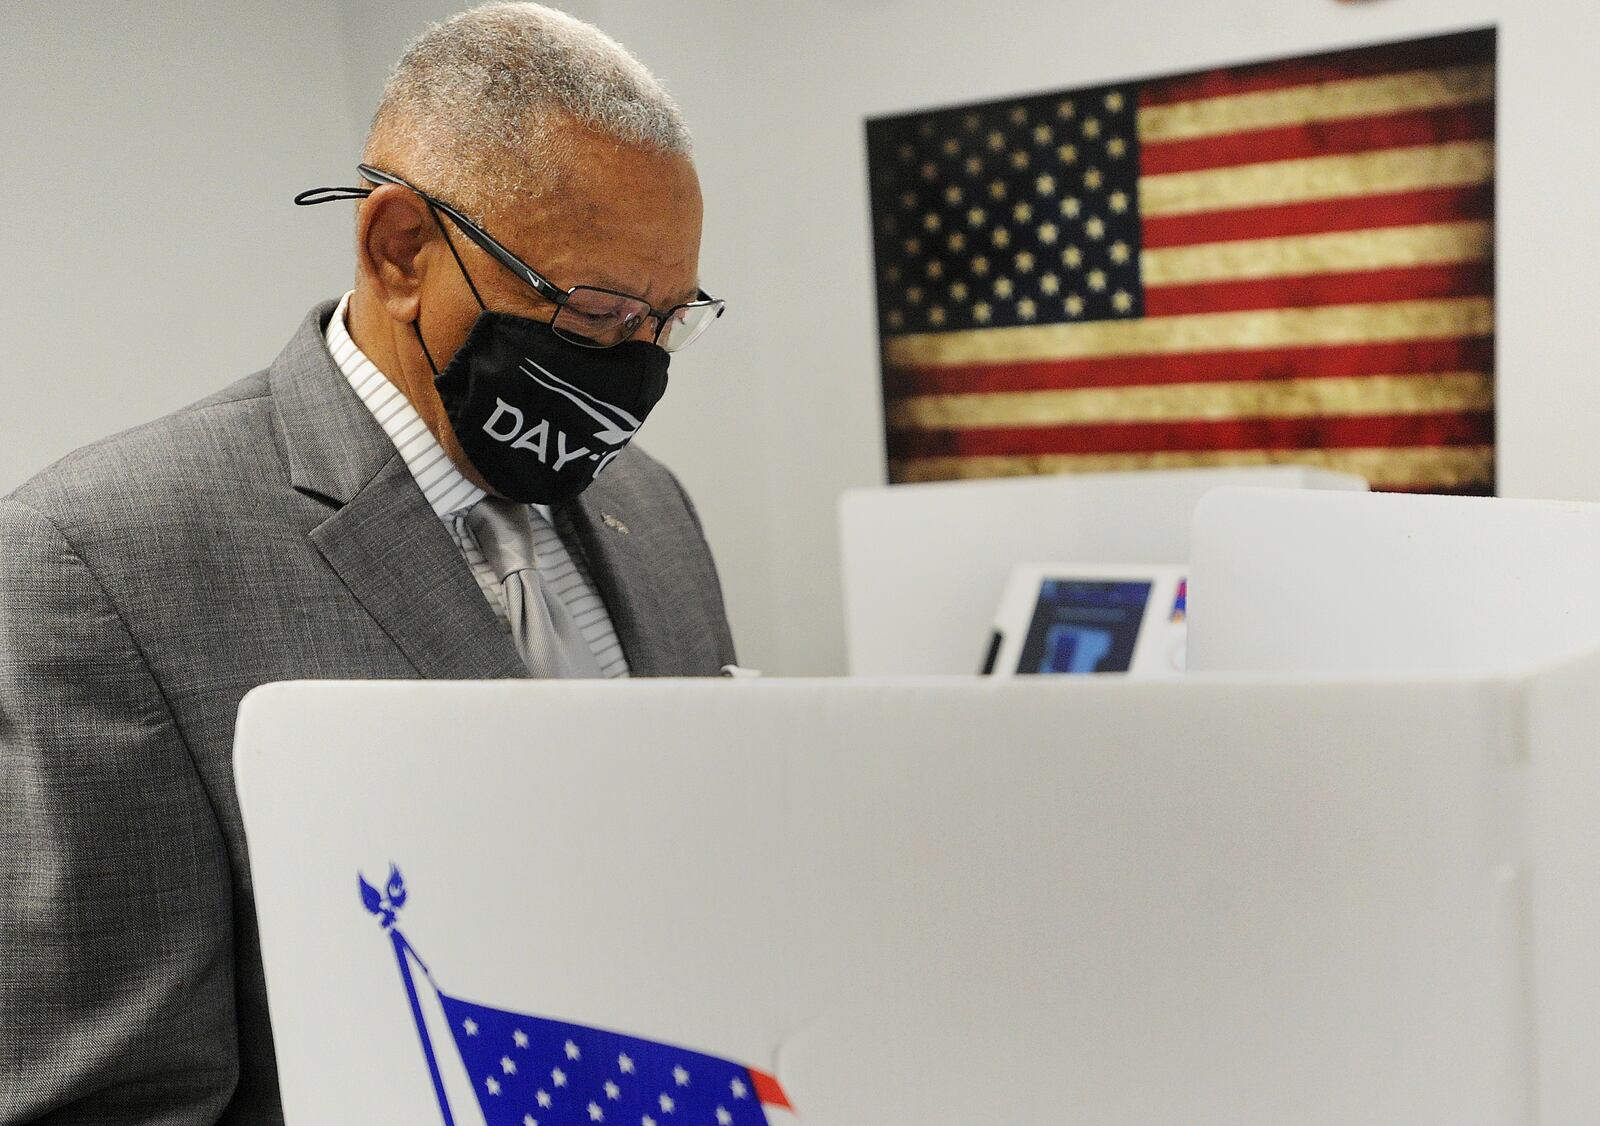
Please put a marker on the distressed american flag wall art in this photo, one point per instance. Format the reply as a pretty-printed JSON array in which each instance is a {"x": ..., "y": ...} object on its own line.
[{"x": 1283, "y": 263}]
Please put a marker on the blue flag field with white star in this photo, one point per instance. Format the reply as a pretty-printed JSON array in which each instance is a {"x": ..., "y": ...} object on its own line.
[{"x": 531, "y": 1070}]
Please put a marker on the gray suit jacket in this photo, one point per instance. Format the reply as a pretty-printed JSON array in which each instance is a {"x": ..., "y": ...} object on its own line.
[{"x": 147, "y": 582}]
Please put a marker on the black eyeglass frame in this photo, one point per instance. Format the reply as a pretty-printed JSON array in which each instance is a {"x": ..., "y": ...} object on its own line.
[{"x": 543, "y": 286}]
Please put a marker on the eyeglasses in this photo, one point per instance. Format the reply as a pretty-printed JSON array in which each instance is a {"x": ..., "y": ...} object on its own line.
[{"x": 586, "y": 315}]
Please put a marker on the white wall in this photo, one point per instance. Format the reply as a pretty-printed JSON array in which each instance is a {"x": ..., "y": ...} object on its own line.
[
  {"x": 158, "y": 152},
  {"x": 149, "y": 252}
]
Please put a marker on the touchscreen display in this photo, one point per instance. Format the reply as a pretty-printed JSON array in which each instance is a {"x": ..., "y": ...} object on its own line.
[{"x": 1084, "y": 627}]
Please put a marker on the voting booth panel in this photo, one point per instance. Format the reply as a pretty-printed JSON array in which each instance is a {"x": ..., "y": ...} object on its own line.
[
  {"x": 1368, "y": 583},
  {"x": 1215, "y": 901},
  {"x": 925, "y": 565},
  {"x": 1563, "y": 834}
]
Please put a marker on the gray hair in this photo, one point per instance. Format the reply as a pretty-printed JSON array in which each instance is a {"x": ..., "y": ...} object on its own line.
[{"x": 481, "y": 106}]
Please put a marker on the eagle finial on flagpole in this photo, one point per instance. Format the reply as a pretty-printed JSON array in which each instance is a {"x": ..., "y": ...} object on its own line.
[{"x": 385, "y": 904}]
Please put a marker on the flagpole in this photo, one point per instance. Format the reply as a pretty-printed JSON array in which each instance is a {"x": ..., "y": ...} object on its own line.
[
  {"x": 402, "y": 948},
  {"x": 386, "y": 904}
]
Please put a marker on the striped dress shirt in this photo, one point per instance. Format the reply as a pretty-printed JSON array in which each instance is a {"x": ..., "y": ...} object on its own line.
[{"x": 452, "y": 496}]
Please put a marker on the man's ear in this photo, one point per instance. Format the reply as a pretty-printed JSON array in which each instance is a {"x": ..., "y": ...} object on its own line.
[{"x": 393, "y": 229}]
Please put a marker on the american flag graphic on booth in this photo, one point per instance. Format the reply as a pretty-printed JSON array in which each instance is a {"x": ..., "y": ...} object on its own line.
[
  {"x": 1283, "y": 263},
  {"x": 527, "y": 1070}
]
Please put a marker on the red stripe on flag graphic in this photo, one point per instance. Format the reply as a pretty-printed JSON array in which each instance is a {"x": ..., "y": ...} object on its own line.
[
  {"x": 1473, "y": 122},
  {"x": 1398, "y": 209},
  {"x": 1413, "y": 283},
  {"x": 1389, "y": 58},
  {"x": 768, "y": 1090},
  {"x": 1468, "y": 428},
  {"x": 1332, "y": 361}
]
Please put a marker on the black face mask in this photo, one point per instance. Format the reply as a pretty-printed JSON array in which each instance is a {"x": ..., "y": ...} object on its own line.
[{"x": 538, "y": 416}]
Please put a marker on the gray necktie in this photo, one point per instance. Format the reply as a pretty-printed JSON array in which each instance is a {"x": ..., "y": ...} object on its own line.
[{"x": 547, "y": 638}]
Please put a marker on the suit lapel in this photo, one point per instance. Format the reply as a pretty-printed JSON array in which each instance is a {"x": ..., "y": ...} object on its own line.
[
  {"x": 397, "y": 559},
  {"x": 383, "y": 539},
  {"x": 611, "y": 530}
]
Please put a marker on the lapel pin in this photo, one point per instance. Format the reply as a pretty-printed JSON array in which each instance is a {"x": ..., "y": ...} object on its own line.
[{"x": 613, "y": 523}]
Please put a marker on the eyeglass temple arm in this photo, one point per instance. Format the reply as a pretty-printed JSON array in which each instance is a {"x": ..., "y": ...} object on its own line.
[
  {"x": 477, "y": 234},
  {"x": 547, "y": 289}
]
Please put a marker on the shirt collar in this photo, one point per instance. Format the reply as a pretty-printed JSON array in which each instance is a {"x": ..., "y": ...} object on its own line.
[{"x": 447, "y": 490}]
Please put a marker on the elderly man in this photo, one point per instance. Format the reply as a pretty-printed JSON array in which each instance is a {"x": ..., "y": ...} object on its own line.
[{"x": 433, "y": 480}]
